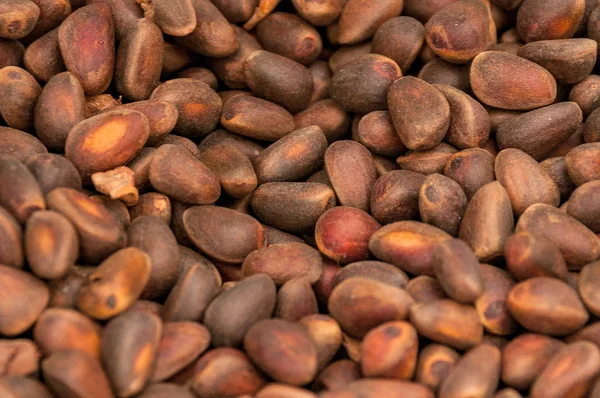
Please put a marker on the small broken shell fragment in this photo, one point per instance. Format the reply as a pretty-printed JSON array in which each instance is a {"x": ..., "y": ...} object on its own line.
[{"x": 117, "y": 183}]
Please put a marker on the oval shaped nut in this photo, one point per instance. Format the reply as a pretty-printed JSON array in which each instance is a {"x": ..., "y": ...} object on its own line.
[
  {"x": 12, "y": 52},
  {"x": 591, "y": 127},
  {"x": 371, "y": 388},
  {"x": 390, "y": 351},
  {"x": 19, "y": 144},
  {"x": 328, "y": 115},
  {"x": 87, "y": 44},
  {"x": 471, "y": 169},
  {"x": 175, "y": 58},
  {"x": 458, "y": 270},
  {"x": 52, "y": 13},
  {"x": 106, "y": 141},
  {"x": 268, "y": 343},
  {"x": 209, "y": 228},
  {"x": 175, "y": 18},
  {"x": 151, "y": 235},
  {"x": 358, "y": 23},
  {"x": 256, "y": 118},
  {"x": 384, "y": 164},
  {"x": 434, "y": 363},
  {"x": 193, "y": 292},
  {"x": 343, "y": 233},
  {"x": 129, "y": 348},
  {"x": 408, "y": 245},
  {"x": 213, "y": 35},
  {"x": 395, "y": 196},
  {"x": 376, "y": 131},
  {"x": 232, "y": 168},
  {"x": 59, "y": 329},
  {"x": 525, "y": 181},
  {"x": 225, "y": 372},
  {"x": 346, "y": 54},
  {"x": 20, "y": 193},
  {"x": 292, "y": 206},
  {"x": 239, "y": 11},
  {"x": 100, "y": 233},
  {"x": 585, "y": 94},
  {"x": 116, "y": 207},
  {"x": 326, "y": 334},
  {"x": 278, "y": 79},
  {"x": 400, "y": 39},
  {"x": 469, "y": 121},
  {"x": 578, "y": 245},
  {"x": 538, "y": 132},
  {"x": 425, "y": 289},
  {"x": 97, "y": 104},
  {"x": 537, "y": 22},
  {"x": 528, "y": 255},
  {"x": 73, "y": 373},
  {"x": 428, "y": 161},
  {"x": 115, "y": 284},
  {"x": 582, "y": 163},
  {"x": 583, "y": 205},
  {"x": 290, "y": 36},
  {"x": 488, "y": 221},
  {"x": 63, "y": 292},
  {"x": 19, "y": 92},
  {"x": 230, "y": 69},
  {"x": 19, "y": 357},
  {"x": 60, "y": 106},
  {"x": 420, "y": 113},
  {"x": 570, "y": 372},
  {"x": 525, "y": 357},
  {"x": 198, "y": 105},
  {"x": 589, "y": 333},
  {"x": 161, "y": 115},
  {"x": 53, "y": 171},
  {"x": 438, "y": 71},
  {"x": 51, "y": 244},
  {"x": 24, "y": 297},
  {"x": 235, "y": 310},
  {"x": 17, "y": 18},
  {"x": 442, "y": 203},
  {"x": 352, "y": 173},
  {"x": 589, "y": 278},
  {"x": 295, "y": 299},
  {"x": 125, "y": 13},
  {"x": 187, "y": 180},
  {"x": 361, "y": 304},
  {"x": 492, "y": 304},
  {"x": 447, "y": 322},
  {"x": 165, "y": 390},
  {"x": 140, "y": 165},
  {"x": 547, "y": 305},
  {"x": 477, "y": 374},
  {"x": 180, "y": 344},
  {"x": 284, "y": 262},
  {"x": 276, "y": 236},
  {"x": 139, "y": 60},
  {"x": 371, "y": 75},
  {"x": 459, "y": 31},
  {"x": 224, "y": 137},
  {"x": 569, "y": 60},
  {"x": 319, "y": 13},
  {"x": 337, "y": 375},
  {"x": 11, "y": 240},
  {"x": 377, "y": 270},
  {"x": 293, "y": 157}
]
